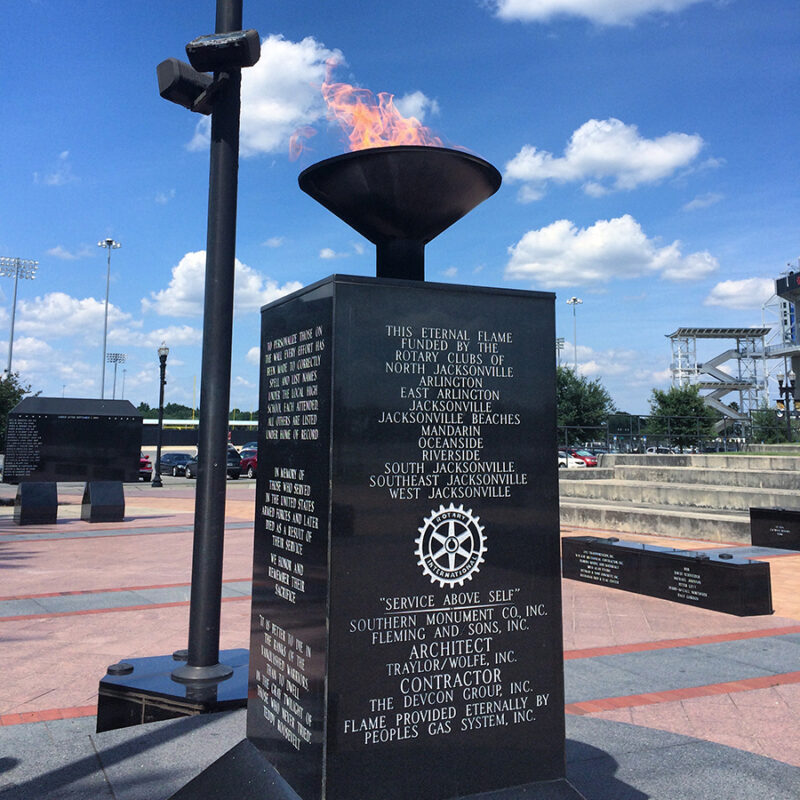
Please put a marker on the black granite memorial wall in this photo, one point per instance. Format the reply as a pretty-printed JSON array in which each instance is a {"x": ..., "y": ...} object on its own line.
[
  {"x": 775, "y": 527},
  {"x": 717, "y": 580},
  {"x": 72, "y": 439},
  {"x": 406, "y": 628}
]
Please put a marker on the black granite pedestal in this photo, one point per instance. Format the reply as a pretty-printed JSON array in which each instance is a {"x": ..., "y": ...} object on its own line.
[
  {"x": 140, "y": 690},
  {"x": 717, "y": 580},
  {"x": 103, "y": 501},
  {"x": 406, "y": 632},
  {"x": 36, "y": 503}
]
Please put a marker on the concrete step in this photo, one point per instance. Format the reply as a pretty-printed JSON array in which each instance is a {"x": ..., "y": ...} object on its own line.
[
  {"x": 651, "y": 493},
  {"x": 785, "y": 448},
  {"x": 735, "y": 461},
  {"x": 714, "y": 526},
  {"x": 756, "y": 479},
  {"x": 588, "y": 474}
]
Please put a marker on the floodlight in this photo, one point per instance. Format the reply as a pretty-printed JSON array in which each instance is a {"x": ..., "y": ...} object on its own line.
[
  {"x": 179, "y": 83},
  {"x": 219, "y": 52}
]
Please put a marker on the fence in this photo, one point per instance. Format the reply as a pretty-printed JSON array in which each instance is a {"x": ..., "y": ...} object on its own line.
[{"x": 635, "y": 434}]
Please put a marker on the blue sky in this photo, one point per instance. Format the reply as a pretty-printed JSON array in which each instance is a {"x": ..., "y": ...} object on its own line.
[{"x": 649, "y": 150}]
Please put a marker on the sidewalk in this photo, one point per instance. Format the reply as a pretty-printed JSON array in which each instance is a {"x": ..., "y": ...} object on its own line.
[{"x": 663, "y": 701}]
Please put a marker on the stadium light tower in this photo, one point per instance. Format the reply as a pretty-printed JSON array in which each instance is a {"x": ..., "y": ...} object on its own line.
[
  {"x": 116, "y": 358},
  {"x": 575, "y": 302},
  {"x": 110, "y": 245},
  {"x": 19, "y": 268}
]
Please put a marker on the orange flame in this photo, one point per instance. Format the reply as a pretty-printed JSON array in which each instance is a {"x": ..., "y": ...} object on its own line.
[
  {"x": 365, "y": 121},
  {"x": 296, "y": 144},
  {"x": 370, "y": 123}
]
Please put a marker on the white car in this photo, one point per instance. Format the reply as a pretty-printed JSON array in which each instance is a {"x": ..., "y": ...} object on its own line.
[{"x": 566, "y": 460}]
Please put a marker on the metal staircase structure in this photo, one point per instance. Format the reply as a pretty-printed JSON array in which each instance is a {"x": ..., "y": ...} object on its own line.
[{"x": 748, "y": 377}]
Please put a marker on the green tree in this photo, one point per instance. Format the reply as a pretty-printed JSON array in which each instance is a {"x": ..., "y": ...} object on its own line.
[
  {"x": 581, "y": 402},
  {"x": 147, "y": 412},
  {"x": 680, "y": 416},
  {"x": 12, "y": 391},
  {"x": 767, "y": 428},
  {"x": 177, "y": 411}
]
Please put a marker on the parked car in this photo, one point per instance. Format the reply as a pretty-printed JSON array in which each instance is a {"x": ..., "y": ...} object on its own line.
[
  {"x": 660, "y": 451},
  {"x": 590, "y": 459},
  {"x": 145, "y": 467},
  {"x": 249, "y": 462},
  {"x": 174, "y": 463},
  {"x": 234, "y": 469},
  {"x": 248, "y": 446},
  {"x": 567, "y": 460}
]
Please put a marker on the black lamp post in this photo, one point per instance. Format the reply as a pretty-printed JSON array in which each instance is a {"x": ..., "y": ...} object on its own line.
[
  {"x": 223, "y": 54},
  {"x": 163, "y": 352},
  {"x": 786, "y": 391}
]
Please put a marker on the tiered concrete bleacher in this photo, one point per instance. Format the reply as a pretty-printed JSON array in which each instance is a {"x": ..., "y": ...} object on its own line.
[{"x": 693, "y": 496}]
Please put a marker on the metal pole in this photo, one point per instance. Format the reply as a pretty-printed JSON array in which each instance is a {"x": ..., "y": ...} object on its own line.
[
  {"x": 105, "y": 328},
  {"x": 110, "y": 245},
  {"x": 787, "y": 394},
  {"x": 13, "y": 314},
  {"x": 575, "y": 335},
  {"x": 162, "y": 358},
  {"x": 206, "y": 593},
  {"x": 574, "y": 302}
]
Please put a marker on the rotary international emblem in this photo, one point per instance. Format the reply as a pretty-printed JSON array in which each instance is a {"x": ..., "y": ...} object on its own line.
[{"x": 451, "y": 545}]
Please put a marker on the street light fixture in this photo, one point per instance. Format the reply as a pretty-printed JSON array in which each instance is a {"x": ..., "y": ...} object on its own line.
[
  {"x": 19, "y": 268},
  {"x": 786, "y": 391},
  {"x": 110, "y": 245},
  {"x": 575, "y": 302},
  {"x": 163, "y": 352},
  {"x": 116, "y": 358}
]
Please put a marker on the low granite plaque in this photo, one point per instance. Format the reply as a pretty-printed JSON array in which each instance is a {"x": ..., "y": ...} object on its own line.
[
  {"x": 775, "y": 527},
  {"x": 406, "y": 629},
  {"x": 716, "y": 580}
]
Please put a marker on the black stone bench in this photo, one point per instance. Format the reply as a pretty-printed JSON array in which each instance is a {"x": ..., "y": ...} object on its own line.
[
  {"x": 716, "y": 580},
  {"x": 36, "y": 503},
  {"x": 775, "y": 527}
]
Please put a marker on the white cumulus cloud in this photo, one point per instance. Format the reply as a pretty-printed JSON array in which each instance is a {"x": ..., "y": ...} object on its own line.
[
  {"x": 280, "y": 94},
  {"x": 417, "y": 105},
  {"x": 184, "y": 295},
  {"x": 561, "y": 254},
  {"x": 746, "y": 293},
  {"x": 606, "y": 155},
  {"x": 602, "y": 12},
  {"x": 59, "y": 315},
  {"x": 171, "y": 335}
]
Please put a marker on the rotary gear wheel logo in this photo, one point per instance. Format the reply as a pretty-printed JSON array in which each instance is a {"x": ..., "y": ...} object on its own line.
[{"x": 451, "y": 545}]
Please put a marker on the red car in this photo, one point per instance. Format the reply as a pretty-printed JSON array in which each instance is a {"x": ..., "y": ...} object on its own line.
[
  {"x": 249, "y": 462},
  {"x": 145, "y": 467},
  {"x": 590, "y": 459}
]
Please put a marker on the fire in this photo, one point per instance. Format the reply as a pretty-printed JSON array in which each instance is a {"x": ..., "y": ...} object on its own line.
[{"x": 365, "y": 120}]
